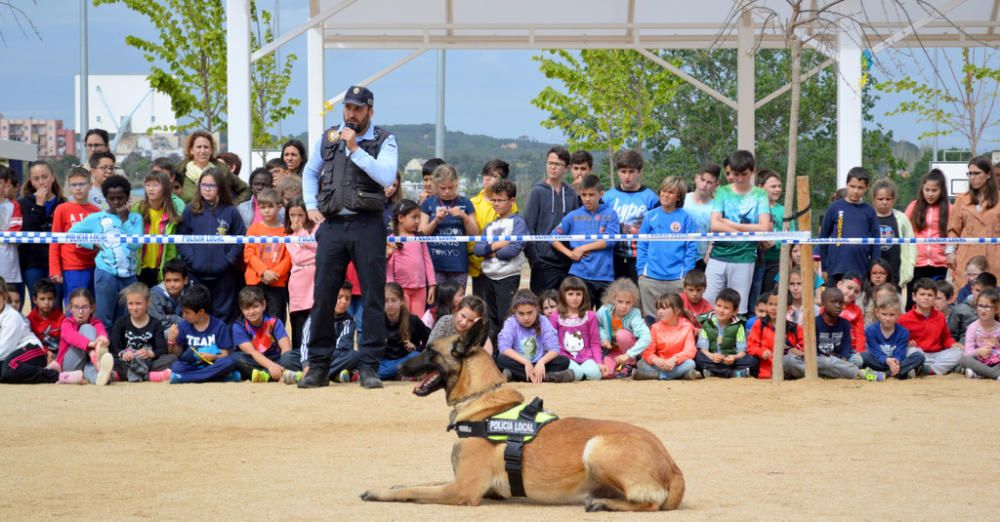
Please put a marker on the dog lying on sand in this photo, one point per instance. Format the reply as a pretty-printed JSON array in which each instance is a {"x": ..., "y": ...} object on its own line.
[{"x": 604, "y": 465}]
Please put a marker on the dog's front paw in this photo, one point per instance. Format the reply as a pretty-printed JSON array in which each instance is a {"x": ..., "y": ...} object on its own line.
[
  {"x": 369, "y": 496},
  {"x": 595, "y": 504}
]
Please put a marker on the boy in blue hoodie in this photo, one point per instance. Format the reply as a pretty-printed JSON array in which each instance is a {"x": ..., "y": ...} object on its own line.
[
  {"x": 116, "y": 260},
  {"x": 849, "y": 217},
  {"x": 593, "y": 261},
  {"x": 663, "y": 264},
  {"x": 887, "y": 343}
]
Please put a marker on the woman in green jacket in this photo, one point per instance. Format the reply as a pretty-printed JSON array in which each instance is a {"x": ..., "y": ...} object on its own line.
[{"x": 202, "y": 153}]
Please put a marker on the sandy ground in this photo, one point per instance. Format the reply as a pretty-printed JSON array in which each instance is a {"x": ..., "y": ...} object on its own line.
[{"x": 920, "y": 450}]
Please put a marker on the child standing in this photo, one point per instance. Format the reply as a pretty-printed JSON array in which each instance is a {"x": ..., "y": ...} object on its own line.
[
  {"x": 928, "y": 215},
  {"x": 249, "y": 210},
  {"x": 982, "y": 340},
  {"x": 888, "y": 344},
  {"x": 929, "y": 331},
  {"x": 722, "y": 342},
  {"x": 737, "y": 207},
  {"x": 24, "y": 359},
  {"x": 624, "y": 333},
  {"x": 528, "y": 346},
  {"x": 303, "y": 275},
  {"x": 217, "y": 267},
  {"x": 69, "y": 264},
  {"x": 406, "y": 335},
  {"x": 138, "y": 343},
  {"x": 577, "y": 331},
  {"x": 662, "y": 265},
  {"x": 10, "y": 221},
  {"x": 760, "y": 340},
  {"x": 409, "y": 264},
  {"x": 205, "y": 342},
  {"x": 83, "y": 341},
  {"x": 849, "y": 217},
  {"x": 894, "y": 224},
  {"x": 631, "y": 201},
  {"x": 40, "y": 195},
  {"x": 265, "y": 351},
  {"x": 448, "y": 214},
  {"x": 671, "y": 353},
  {"x": 502, "y": 260},
  {"x": 161, "y": 213},
  {"x": 269, "y": 264},
  {"x": 116, "y": 260},
  {"x": 698, "y": 204},
  {"x": 593, "y": 261},
  {"x": 46, "y": 316},
  {"x": 964, "y": 312}
]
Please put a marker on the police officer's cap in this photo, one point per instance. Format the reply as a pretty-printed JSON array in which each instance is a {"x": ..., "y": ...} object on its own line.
[{"x": 358, "y": 95}]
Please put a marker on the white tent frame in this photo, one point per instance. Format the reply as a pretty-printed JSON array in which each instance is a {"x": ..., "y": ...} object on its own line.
[{"x": 327, "y": 27}]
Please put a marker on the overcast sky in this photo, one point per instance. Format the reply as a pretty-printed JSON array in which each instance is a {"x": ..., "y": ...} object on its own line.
[{"x": 488, "y": 92}]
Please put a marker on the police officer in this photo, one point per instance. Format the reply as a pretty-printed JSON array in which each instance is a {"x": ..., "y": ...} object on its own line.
[{"x": 342, "y": 186}]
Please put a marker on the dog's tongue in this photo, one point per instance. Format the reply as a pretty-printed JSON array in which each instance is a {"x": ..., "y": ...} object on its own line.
[{"x": 425, "y": 382}]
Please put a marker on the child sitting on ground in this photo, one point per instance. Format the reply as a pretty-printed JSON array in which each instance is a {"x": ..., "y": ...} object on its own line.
[
  {"x": 722, "y": 342},
  {"x": 888, "y": 344},
  {"x": 137, "y": 340},
  {"x": 406, "y": 335},
  {"x": 265, "y": 350},
  {"x": 344, "y": 359},
  {"x": 205, "y": 342},
  {"x": 834, "y": 352},
  {"x": 83, "y": 343},
  {"x": 760, "y": 340},
  {"x": 850, "y": 287},
  {"x": 528, "y": 346},
  {"x": 929, "y": 331},
  {"x": 46, "y": 317},
  {"x": 694, "y": 290},
  {"x": 165, "y": 304},
  {"x": 624, "y": 333},
  {"x": 671, "y": 353},
  {"x": 576, "y": 328},
  {"x": 24, "y": 359},
  {"x": 964, "y": 312},
  {"x": 982, "y": 340}
]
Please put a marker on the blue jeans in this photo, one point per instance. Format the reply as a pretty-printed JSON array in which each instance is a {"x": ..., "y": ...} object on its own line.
[
  {"x": 73, "y": 279},
  {"x": 678, "y": 372},
  {"x": 108, "y": 296},
  {"x": 387, "y": 368}
]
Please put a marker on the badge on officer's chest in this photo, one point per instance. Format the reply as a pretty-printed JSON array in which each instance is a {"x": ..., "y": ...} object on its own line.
[{"x": 332, "y": 135}]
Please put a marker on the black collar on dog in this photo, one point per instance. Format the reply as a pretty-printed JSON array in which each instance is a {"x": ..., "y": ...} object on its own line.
[{"x": 513, "y": 427}]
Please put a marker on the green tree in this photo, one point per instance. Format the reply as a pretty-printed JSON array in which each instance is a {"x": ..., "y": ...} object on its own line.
[
  {"x": 188, "y": 63},
  {"x": 964, "y": 101},
  {"x": 608, "y": 100}
]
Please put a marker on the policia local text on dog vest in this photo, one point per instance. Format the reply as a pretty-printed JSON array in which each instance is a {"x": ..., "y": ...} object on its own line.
[
  {"x": 344, "y": 186},
  {"x": 516, "y": 427}
]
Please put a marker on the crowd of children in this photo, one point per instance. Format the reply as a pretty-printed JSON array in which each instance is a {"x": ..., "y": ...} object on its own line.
[{"x": 597, "y": 308}]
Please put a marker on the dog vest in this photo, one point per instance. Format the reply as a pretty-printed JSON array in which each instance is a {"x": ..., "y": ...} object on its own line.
[{"x": 516, "y": 427}]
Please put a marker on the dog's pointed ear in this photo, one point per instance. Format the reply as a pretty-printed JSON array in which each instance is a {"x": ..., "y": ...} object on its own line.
[{"x": 471, "y": 340}]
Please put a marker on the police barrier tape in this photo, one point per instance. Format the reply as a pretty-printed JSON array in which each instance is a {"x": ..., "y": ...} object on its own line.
[{"x": 790, "y": 237}]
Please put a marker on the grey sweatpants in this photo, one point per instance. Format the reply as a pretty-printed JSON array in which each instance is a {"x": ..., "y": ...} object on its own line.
[
  {"x": 944, "y": 361},
  {"x": 723, "y": 274},
  {"x": 651, "y": 289},
  {"x": 827, "y": 366},
  {"x": 77, "y": 359},
  {"x": 986, "y": 372}
]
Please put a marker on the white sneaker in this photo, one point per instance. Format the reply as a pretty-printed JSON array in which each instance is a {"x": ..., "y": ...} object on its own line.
[
  {"x": 106, "y": 366},
  {"x": 971, "y": 374}
]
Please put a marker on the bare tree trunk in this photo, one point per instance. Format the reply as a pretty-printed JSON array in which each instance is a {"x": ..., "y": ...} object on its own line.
[
  {"x": 970, "y": 102},
  {"x": 795, "y": 45}
]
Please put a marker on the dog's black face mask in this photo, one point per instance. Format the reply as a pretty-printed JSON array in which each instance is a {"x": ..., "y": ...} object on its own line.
[{"x": 439, "y": 364}]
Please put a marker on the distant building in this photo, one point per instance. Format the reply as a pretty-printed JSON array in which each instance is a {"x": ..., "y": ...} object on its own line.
[
  {"x": 52, "y": 139},
  {"x": 414, "y": 168}
]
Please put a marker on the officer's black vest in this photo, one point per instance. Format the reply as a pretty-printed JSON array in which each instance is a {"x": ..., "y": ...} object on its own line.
[{"x": 344, "y": 185}]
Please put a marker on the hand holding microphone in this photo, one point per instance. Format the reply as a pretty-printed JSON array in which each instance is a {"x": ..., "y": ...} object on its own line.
[{"x": 349, "y": 136}]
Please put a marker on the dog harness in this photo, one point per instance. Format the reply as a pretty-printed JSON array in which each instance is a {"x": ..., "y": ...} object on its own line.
[{"x": 516, "y": 427}]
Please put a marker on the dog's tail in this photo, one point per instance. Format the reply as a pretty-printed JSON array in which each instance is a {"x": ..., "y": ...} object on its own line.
[{"x": 676, "y": 491}]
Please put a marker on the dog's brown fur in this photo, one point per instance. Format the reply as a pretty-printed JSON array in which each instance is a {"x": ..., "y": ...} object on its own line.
[{"x": 606, "y": 465}]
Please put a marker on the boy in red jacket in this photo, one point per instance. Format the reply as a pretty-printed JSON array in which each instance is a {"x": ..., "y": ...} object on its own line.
[
  {"x": 760, "y": 340},
  {"x": 70, "y": 265},
  {"x": 46, "y": 317},
  {"x": 929, "y": 331}
]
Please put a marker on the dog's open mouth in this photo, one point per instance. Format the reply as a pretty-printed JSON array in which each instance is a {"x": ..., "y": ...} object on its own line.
[{"x": 430, "y": 383}]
